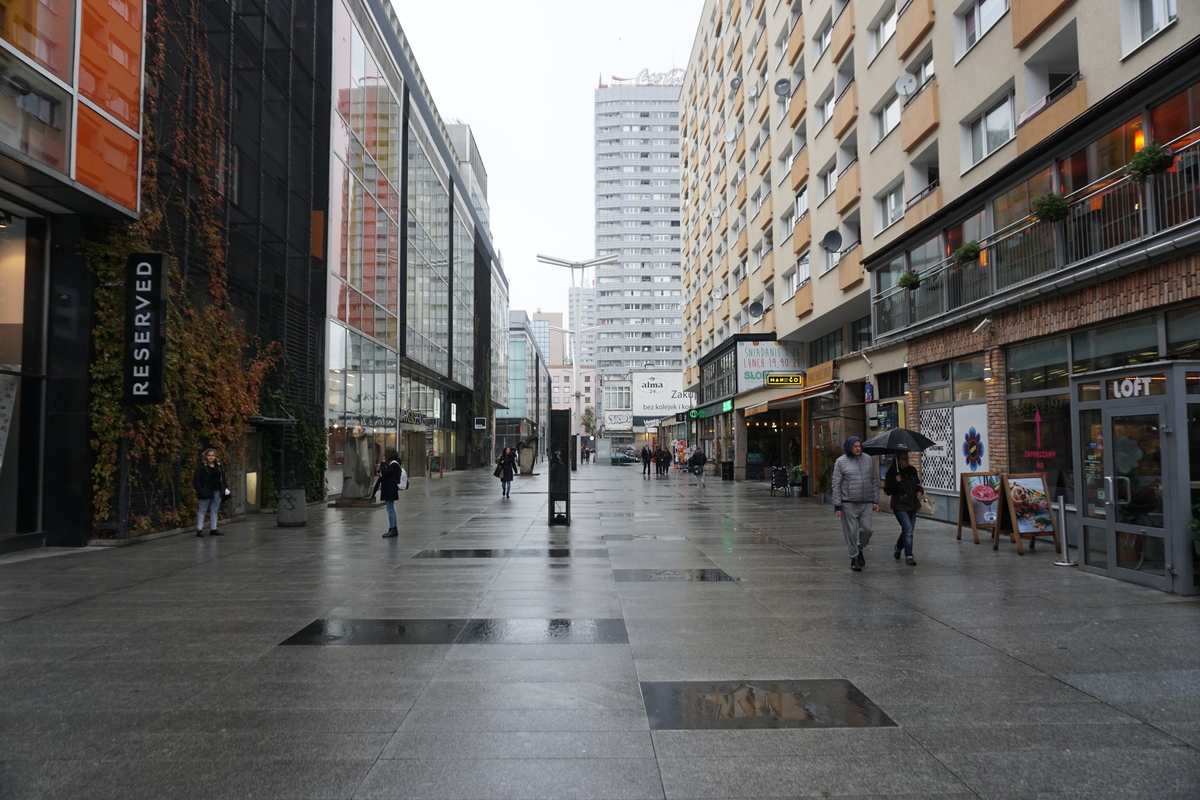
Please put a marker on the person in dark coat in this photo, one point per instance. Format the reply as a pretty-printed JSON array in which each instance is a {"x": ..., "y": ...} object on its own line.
[
  {"x": 388, "y": 486},
  {"x": 696, "y": 465},
  {"x": 646, "y": 456},
  {"x": 209, "y": 483},
  {"x": 506, "y": 467},
  {"x": 666, "y": 462},
  {"x": 903, "y": 485},
  {"x": 659, "y": 460}
]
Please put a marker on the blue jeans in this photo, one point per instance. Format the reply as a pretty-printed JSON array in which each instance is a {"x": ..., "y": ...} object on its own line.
[
  {"x": 210, "y": 506},
  {"x": 908, "y": 521},
  {"x": 391, "y": 509}
]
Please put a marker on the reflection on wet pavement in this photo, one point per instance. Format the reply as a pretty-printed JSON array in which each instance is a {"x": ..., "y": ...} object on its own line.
[
  {"x": 517, "y": 553},
  {"x": 460, "y": 631},
  {"x": 665, "y": 575},
  {"x": 737, "y": 705}
]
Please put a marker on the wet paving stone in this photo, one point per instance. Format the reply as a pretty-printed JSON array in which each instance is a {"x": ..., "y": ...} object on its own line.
[
  {"x": 335, "y": 632},
  {"x": 521, "y": 552},
  {"x": 748, "y": 705},
  {"x": 671, "y": 575}
]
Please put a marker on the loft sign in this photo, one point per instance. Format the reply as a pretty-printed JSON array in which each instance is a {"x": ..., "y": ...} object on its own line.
[
  {"x": 145, "y": 328},
  {"x": 1142, "y": 386}
]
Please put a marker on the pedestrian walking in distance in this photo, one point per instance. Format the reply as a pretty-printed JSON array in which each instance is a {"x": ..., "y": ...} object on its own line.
[
  {"x": 646, "y": 456},
  {"x": 211, "y": 489},
  {"x": 388, "y": 486},
  {"x": 903, "y": 485},
  {"x": 667, "y": 459},
  {"x": 696, "y": 465},
  {"x": 855, "y": 497},
  {"x": 506, "y": 467}
]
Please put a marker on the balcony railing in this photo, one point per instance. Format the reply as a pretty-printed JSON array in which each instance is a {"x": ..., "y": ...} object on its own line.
[{"x": 1111, "y": 213}]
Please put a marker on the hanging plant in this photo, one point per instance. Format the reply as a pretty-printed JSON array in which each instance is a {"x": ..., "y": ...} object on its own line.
[
  {"x": 909, "y": 280},
  {"x": 1150, "y": 160},
  {"x": 967, "y": 253},
  {"x": 1050, "y": 207}
]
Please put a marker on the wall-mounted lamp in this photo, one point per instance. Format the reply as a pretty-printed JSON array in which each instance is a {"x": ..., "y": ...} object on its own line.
[{"x": 5, "y": 218}]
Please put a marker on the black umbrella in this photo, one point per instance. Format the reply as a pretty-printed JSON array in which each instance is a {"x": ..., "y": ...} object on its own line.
[{"x": 897, "y": 440}]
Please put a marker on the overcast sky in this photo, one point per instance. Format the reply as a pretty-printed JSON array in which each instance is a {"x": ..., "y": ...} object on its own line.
[{"x": 522, "y": 74}]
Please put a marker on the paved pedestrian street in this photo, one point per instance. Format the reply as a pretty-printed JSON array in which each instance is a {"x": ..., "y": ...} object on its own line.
[{"x": 672, "y": 642}]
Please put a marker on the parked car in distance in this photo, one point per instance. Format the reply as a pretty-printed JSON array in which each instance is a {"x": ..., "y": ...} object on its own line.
[{"x": 624, "y": 458}]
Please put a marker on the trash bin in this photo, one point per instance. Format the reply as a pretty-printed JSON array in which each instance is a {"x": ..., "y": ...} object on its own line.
[
  {"x": 726, "y": 470},
  {"x": 292, "y": 512},
  {"x": 802, "y": 486}
]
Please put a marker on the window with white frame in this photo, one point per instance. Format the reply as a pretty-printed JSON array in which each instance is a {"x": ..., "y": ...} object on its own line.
[
  {"x": 993, "y": 129},
  {"x": 802, "y": 202},
  {"x": 823, "y": 39},
  {"x": 924, "y": 70},
  {"x": 891, "y": 205},
  {"x": 1141, "y": 19},
  {"x": 789, "y": 284},
  {"x": 978, "y": 19},
  {"x": 882, "y": 30},
  {"x": 887, "y": 117},
  {"x": 827, "y": 180},
  {"x": 803, "y": 270},
  {"x": 825, "y": 108}
]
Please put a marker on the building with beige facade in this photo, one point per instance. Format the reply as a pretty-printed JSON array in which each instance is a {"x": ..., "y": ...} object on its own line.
[{"x": 956, "y": 216}]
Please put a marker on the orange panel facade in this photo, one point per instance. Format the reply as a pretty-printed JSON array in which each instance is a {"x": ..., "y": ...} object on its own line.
[
  {"x": 110, "y": 57},
  {"x": 106, "y": 158}
]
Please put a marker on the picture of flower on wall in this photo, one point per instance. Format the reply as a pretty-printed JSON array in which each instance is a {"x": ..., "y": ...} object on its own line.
[{"x": 972, "y": 448}]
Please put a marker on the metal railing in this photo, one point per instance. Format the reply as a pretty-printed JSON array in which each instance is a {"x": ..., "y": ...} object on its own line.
[{"x": 1113, "y": 212}]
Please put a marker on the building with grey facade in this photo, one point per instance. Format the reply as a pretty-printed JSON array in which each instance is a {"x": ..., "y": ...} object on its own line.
[
  {"x": 528, "y": 412},
  {"x": 586, "y": 326},
  {"x": 638, "y": 300}
]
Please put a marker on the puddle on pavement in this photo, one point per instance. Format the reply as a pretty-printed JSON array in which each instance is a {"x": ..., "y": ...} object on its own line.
[
  {"x": 671, "y": 575},
  {"x": 333, "y": 632},
  {"x": 517, "y": 553},
  {"x": 743, "y": 705}
]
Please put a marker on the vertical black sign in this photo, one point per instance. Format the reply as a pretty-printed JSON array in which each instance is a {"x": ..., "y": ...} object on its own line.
[{"x": 145, "y": 328}]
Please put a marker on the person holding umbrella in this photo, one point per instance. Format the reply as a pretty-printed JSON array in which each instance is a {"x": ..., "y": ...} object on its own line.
[{"x": 902, "y": 483}]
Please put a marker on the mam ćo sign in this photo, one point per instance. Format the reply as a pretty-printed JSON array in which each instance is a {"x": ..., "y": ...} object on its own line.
[{"x": 145, "y": 328}]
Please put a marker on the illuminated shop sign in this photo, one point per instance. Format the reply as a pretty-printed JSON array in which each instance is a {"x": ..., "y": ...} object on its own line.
[{"x": 1142, "y": 386}]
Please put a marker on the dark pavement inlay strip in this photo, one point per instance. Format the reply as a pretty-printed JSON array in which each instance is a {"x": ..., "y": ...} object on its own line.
[
  {"x": 665, "y": 575},
  {"x": 744, "y": 705},
  {"x": 517, "y": 553},
  {"x": 460, "y": 631}
]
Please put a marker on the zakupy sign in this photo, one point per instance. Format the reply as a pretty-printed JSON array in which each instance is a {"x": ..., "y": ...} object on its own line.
[{"x": 145, "y": 328}]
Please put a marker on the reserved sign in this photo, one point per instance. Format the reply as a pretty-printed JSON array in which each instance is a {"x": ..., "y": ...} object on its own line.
[{"x": 145, "y": 328}]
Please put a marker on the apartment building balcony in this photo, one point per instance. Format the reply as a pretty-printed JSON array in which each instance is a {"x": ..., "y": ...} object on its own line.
[
  {"x": 734, "y": 13},
  {"x": 723, "y": 223},
  {"x": 799, "y": 169},
  {"x": 764, "y": 105},
  {"x": 743, "y": 243},
  {"x": 850, "y": 268},
  {"x": 766, "y": 323},
  {"x": 723, "y": 267},
  {"x": 924, "y": 203},
  {"x": 797, "y": 105},
  {"x": 916, "y": 20},
  {"x": 718, "y": 60},
  {"x": 739, "y": 150},
  {"x": 804, "y": 299},
  {"x": 765, "y": 216},
  {"x": 802, "y": 234},
  {"x": 766, "y": 271},
  {"x": 1029, "y": 17},
  {"x": 723, "y": 309},
  {"x": 710, "y": 324},
  {"x": 795, "y": 45},
  {"x": 845, "y": 112},
  {"x": 736, "y": 63},
  {"x": 739, "y": 99},
  {"x": 843, "y": 32},
  {"x": 849, "y": 188},
  {"x": 759, "y": 5},
  {"x": 1111, "y": 225},
  {"x": 720, "y": 109},
  {"x": 739, "y": 197},
  {"x": 1060, "y": 106},
  {"x": 709, "y": 282},
  {"x": 723, "y": 182},
  {"x": 760, "y": 52},
  {"x": 743, "y": 292},
  {"x": 764, "y": 158},
  {"x": 707, "y": 169},
  {"x": 919, "y": 118},
  {"x": 708, "y": 247}
]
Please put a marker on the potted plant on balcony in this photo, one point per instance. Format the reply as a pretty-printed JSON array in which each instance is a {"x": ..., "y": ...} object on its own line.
[
  {"x": 909, "y": 280},
  {"x": 1150, "y": 160},
  {"x": 1050, "y": 207},
  {"x": 967, "y": 253}
]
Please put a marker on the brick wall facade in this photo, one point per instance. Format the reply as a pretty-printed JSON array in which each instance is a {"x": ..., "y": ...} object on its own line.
[{"x": 1148, "y": 289}]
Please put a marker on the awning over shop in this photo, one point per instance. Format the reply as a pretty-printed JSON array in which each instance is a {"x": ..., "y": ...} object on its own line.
[
  {"x": 793, "y": 400},
  {"x": 758, "y": 409}
]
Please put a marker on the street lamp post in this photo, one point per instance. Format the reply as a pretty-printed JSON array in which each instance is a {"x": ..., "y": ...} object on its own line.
[{"x": 576, "y": 410}]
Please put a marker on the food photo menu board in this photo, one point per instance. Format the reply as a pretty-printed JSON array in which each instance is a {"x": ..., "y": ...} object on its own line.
[
  {"x": 980, "y": 503},
  {"x": 1029, "y": 508}
]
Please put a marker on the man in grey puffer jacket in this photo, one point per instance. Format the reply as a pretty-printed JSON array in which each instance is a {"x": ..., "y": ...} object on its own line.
[{"x": 855, "y": 496}]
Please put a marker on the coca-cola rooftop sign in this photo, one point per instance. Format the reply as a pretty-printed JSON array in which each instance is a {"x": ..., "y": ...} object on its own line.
[{"x": 673, "y": 77}]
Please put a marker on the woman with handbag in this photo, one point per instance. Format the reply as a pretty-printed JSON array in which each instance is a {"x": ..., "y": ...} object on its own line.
[
  {"x": 388, "y": 486},
  {"x": 506, "y": 467},
  {"x": 903, "y": 485},
  {"x": 209, "y": 482}
]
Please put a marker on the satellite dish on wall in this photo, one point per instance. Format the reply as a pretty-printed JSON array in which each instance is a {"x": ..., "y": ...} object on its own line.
[
  {"x": 729, "y": 136},
  {"x": 906, "y": 84},
  {"x": 783, "y": 87},
  {"x": 714, "y": 212},
  {"x": 832, "y": 241},
  {"x": 735, "y": 82},
  {"x": 752, "y": 90},
  {"x": 756, "y": 309}
]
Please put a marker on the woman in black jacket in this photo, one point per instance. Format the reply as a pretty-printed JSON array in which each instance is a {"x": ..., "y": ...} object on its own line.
[
  {"x": 903, "y": 485},
  {"x": 209, "y": 482},
  {"x": 388, "y": 486},
  {"x": 506, "y": 467}
]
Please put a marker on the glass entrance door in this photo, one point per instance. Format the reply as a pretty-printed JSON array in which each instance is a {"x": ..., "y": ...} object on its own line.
[{"x": 1125, "y": 508}]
